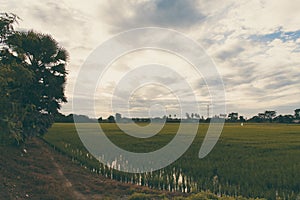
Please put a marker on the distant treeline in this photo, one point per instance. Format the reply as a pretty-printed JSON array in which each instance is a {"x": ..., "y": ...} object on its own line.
[
  {"x": 61, "y": 118},
  {"x": 268, "y": 116}
]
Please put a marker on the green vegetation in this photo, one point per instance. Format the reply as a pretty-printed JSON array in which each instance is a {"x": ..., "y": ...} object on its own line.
[
  {"x": 254, "y": 160},
  {"x": 32, "y": 77},
  {"x": 199, "y": 196}
]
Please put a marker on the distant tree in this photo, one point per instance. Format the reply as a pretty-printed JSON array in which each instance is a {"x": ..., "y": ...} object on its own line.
[
  {"x": 207, "y": 120},
  {"x": 284, "y": 119},
  {"x": 233, "y": 116},
  {"x": 111, "y": 119},
  {"x": 256, "y": 119},
  {"x": 70, "y": 118},
  {"x": 81, "y": 118},
  {"x": 242, "y": 119},
  {"x": 118, "y": 117},
  {"x": 59, "y": 117},
  {"x": 192, "y": 115},
  {"x": 297, "y": 113},
  {"x": 269, "y": 115},
  {"x": 187, "y": 116},
  {"x": 197, "y": 116},
  {"x": 262, "y": 116}
]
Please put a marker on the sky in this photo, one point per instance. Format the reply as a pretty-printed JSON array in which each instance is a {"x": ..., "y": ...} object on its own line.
[{"x": 254, "y": 45}]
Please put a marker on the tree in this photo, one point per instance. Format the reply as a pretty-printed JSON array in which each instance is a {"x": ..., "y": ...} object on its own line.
[
  {"x": 262, "y": 116},
  {"x": 192, "y": 115},
  {"x": 7, "y": 22},
  {"x": 111, "y": 119},
  {"x": 100, "y": 119},
  {"x": 297, "y": 113},
  {"x": 242, "y": 119},
  {"x": 284, "y": 119},
  {"x": 118, "y": 117},
  {"x": 187, "y": 116},
  {"x": 12, "y": 78},
  {"x": 233, "y": 116},
  {"x": 270, "y": 114},
  {"x": 32, "y": 80},
  {"x": 256, "y": 119}
]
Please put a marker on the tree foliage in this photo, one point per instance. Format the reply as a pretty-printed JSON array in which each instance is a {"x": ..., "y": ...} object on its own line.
[
  {"x": 6, "y": 25},
  {"x": 32, "y": 78},
  {"x": 233, "y": 116},
  {"x": 297, "y": 113},
  {"x": 270, "y": 114}
]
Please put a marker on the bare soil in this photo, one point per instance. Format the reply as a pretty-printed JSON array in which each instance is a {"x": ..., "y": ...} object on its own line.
[{"x": 43, "y": 173}]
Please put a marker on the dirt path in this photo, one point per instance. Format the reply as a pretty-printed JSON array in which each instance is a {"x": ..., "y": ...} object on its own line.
[{"x": 66, "y": 183}]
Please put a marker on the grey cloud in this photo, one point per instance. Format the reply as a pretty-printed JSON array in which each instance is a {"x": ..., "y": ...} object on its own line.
[
  {"x": 165, "y": 13},
  {"x": 280, "y": 82},
  {"x": 224, "y": 55},
  {"x": 245, "y": 75},
  {"x": 283, "y": 77}
]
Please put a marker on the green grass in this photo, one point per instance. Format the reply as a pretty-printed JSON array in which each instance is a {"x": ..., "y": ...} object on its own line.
[{"x": 256, "y": 160}]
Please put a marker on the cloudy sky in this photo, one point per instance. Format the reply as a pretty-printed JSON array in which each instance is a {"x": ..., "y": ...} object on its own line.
[{"x": 254, "y": 44}]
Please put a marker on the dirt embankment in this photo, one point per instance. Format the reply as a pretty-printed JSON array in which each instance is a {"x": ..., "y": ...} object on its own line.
[{"x": 42, "y": 173}]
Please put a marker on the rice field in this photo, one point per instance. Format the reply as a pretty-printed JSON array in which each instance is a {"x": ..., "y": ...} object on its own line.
[{"x": 254, "y": 160}]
